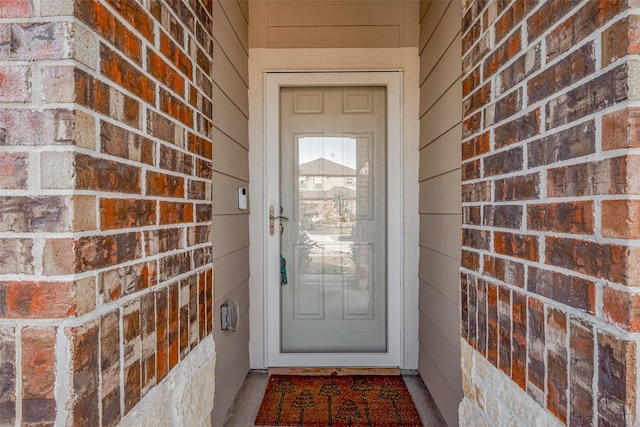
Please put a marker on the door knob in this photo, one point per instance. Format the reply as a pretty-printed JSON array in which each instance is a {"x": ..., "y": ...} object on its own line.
[{"x": 272, "y": 220}]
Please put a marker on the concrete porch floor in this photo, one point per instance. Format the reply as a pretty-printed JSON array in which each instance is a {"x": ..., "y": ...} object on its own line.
[{"x": 245, "y": 407}]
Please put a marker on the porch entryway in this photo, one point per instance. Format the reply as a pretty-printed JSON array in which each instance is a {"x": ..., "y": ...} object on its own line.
[{"x": 245, "y": 407}]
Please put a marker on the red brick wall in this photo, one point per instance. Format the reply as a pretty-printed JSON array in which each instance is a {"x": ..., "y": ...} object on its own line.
[
  {"x": 105, "y": 210},
  {"x": 550, "y": 189}
]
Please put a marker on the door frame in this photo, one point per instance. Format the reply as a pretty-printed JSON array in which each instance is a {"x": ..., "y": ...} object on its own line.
[{"x": 392, "y": 80}]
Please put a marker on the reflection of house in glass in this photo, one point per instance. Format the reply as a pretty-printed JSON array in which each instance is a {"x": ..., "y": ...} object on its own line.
[{"x": 327, "y": 192}]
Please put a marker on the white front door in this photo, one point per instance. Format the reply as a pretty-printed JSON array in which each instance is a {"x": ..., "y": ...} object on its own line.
[{"x": 333, "y": 194}]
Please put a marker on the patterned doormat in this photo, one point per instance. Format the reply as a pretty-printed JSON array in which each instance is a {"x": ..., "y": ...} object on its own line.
[{"x": 294, "y": 400}]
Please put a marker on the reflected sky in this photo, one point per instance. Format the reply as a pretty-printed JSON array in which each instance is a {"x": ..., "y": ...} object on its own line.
[{"x": 341, "y": 150}]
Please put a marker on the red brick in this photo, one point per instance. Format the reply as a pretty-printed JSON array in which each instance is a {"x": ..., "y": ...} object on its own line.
[
  {"x": 504, "y": 330},
  {"x": 482, "y": 317},
  {"x": 502, "y": 216},
  {"x": 174, "y": 265},
  {"x": 95, "y": 252},
  {"x": 519, "y": 339},
  {"x": 127, "y": 280},
  {"x": 110, "y": 368},
  {"x": 512, "y": 16},
  {"x": 569, "y": 217},
  {"x": 471, "y": 125},
  {"x": 476, "y": 146},
  {"x": 471, "y": 215},
  {"x": 506, "y": 270},
  {"x": 165, "y": 73},
  {"x": 476, "y": 192},
  {"x": 85, "y": 371},
  {"x": 204, "y": 212},
  {"x": 547, "y": 15},
  {"x": 38, "y": 366},
  {"x": 204, "y": 169},
  {"x": 503, "y": 162},
  {"x": 621, "y": 308},
  {"x": 570, "y": 32},
  {"x": 581, "y": 352},
  {"x": 106, "y": 175},
  {"x": 518, "y": 129},
  {"x": 175, "y": 212},
  {"x": 96, "y": 16},
  {"x": 502, "y": 54},
  {"x": 135, "y": 15},
  {"x": 199, "y": 190},
  {"x": 175, "y": 108},
  {"x": 621, "y": 129},
  {"x": 576, "y": 66},
  {"x": 16, "y": 255},
  {"x": 34, "y": 41},
  {"x": 557, "y": 367},
  {"x": 199, "y": 234},
  {"x": 38, "y": 375},
  {"x": 194, "y": 315},
  {"x": 132, "y": 343},
  {"x": 160, "y": 184},
  {"x": 173, "y": 331},
  {"x": 202, "y": 257},
  {"x": 470, "y": 260},
  {"x": 588, "y": 98},
  {"x": 16, "y": 9},
  {"x": 621, "y": 219},
  {"x": 30, "y": 127},
  {"x": 126, "y": 213},
  {"x": 162, "y": 127},
  {"x": 202, "y": 305},
  {"x": 475, "y": 238},
  {"x": 464, "y": 307},
  {"x": 492, "y": 324},
  {"x": 122, "y": 143},
  {"x": 15, "y": 83},
  {"x": 621, "y": 39},
  {"x": 168, "y": 21},
  {"x": 39, "y": 300},
  {"x": 163, "y": 240},
  {"x": 209, "y": 299},
  {"x": 505, "y": 107},
  {"x": 175, "y": 160},
  {"x": 148, "y": 327},
  {"x": 470, "y": 82},
  {"x": 104, "y": 99},
  {"x": 536, "y": 369},
  {"x": 471, "y": 58},
  {"x": 571, "y": 143},
  {"x": 13, "y": 171},
  {"x": 516, "y": 245},
  {"x": 176, "y": 56},
  {"x": 477, "y": 99},
  {"x": 472, "y": 307},
  {"x": 600, "y": 260},
  {"x": 121, "y": 72},
  {"x": 8, "y": 372},
  {"x": 569, "y": 290},
  {"x": 616, "y": 175},
  {"x": 617, "y": 380},
  {"x": 526, "y": 64},
  {"x": 162, "y": 337}
]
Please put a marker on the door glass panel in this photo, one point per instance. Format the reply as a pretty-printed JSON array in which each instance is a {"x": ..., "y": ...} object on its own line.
[{"x": 333, "y": 190}]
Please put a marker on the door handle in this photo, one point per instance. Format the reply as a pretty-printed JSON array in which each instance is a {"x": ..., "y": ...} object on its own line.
[{"x": 272, "y": 221}]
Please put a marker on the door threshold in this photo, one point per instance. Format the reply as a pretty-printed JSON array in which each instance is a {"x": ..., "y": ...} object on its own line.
[{"x": 333, "y": 371}]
